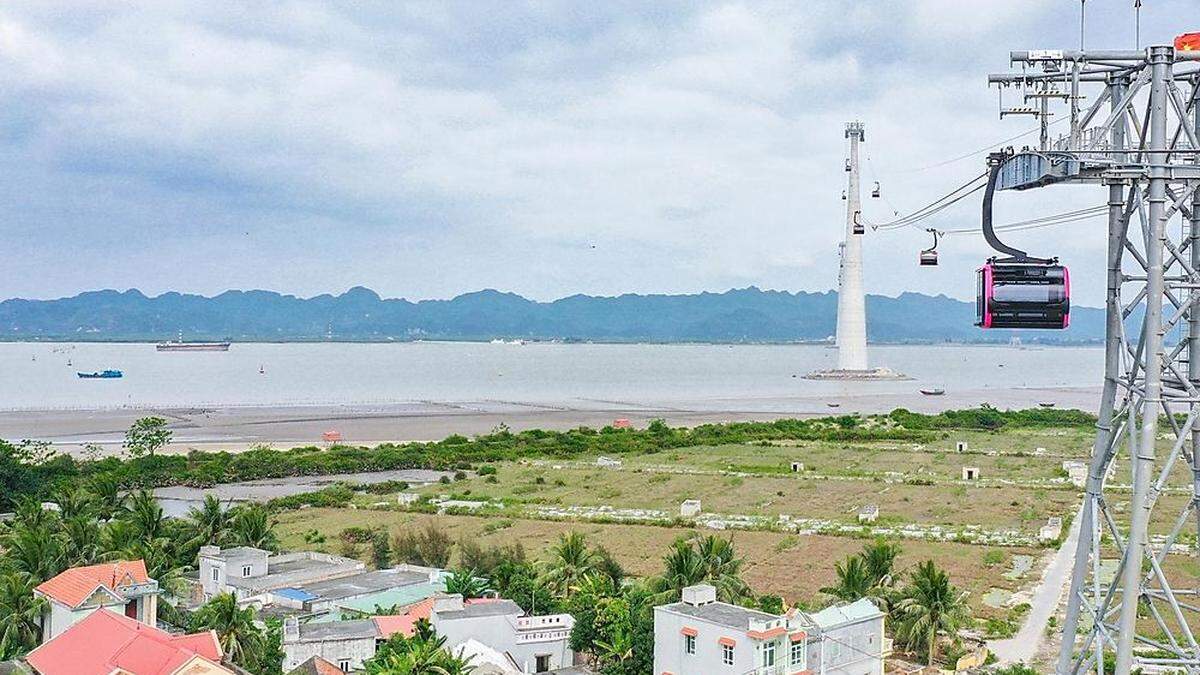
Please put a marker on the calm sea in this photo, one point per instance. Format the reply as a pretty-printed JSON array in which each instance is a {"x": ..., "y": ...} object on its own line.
[{"x": 40, "y": 376}]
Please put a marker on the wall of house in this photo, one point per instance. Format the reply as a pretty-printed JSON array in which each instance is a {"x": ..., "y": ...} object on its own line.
[
  {"x": 357, "y": 650},
  {"x": 852, "y": 649},
  {"x": 671, "y": 657},
  {"x": 500, "y": 633}
]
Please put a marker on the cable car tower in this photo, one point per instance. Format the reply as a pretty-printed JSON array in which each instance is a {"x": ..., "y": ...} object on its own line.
[
  {"x": 1138, "y": 138},
  {"x": 852, "y": 305}
]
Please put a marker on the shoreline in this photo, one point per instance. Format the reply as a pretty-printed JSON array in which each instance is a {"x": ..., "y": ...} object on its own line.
[{"x": 236, "y": 428}]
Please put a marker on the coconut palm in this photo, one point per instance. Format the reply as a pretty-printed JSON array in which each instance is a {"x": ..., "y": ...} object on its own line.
[
  {"x": 930, "y": 606},
  {"x": 20, "y": 615},
  {"x": 241, "y": 640},
  {"x": 209, "y": 523},
  {"x": 422, "y": 654},
  {"x": 879, "y": 558},
  {"x": 145, "y": 515},
  {"x": 118, "y": 536},
  {"x": 570, "y": 560},
  {"x": 251, "y": 526},
  {"x": 74, "y": 501},
  {"x": 35, "y": 553},
  {"x": 710, "y": 560},
  {"x": 106, "y": 493},
  {"x": 81, "y": 541},
  {"x": 160, "y": 564},
  {"x": 854, "y": 581},
  {"x": 465, "y": 583}
]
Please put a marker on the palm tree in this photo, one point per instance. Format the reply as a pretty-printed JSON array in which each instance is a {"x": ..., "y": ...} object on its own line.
[
  {"x": 570, "y": 560},
  {"x": 683, "y": 568},
  {"x": 145, "y": 515},
  {"x": 930, "y": 606},
  {"x": 81, "y": 541},
  {"x": 722, "y": 567},
  {"x": 879, "y": 557},
  {"x": 422, "y": 654},
  {"x": 118, "y": 536},
  {"x": 465, "y": 583},
  {"x": 251, "y": 526},
  {"x": 854, "y": 581},
  {"x": 209, "y": 523},
  {"x": 106, "y": 492},
  {"x": 160, "y": 564},
  {"x": 240, "y": 638},
  {"x": 20, "y": 615},
  {"x": 34, "y": 552},
  {"x": 74, "y": 501}
]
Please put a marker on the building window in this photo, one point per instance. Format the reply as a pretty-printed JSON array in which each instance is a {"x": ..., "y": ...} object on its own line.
[
  {"x": 246, "y": 569},
  {"x": 797, "y": 654},
  {"x": 768, "y": 653},
  {"x": 689, "y": 644},
  {"x": 216, "y": 574},
  {"x": 344, "y": 665},
  {"x": 727, "y": 654}
]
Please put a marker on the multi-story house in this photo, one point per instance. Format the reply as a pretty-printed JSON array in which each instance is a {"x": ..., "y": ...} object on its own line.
[
  {"x": 700, "y": 636},
  {"x": 122, "y": 586}
]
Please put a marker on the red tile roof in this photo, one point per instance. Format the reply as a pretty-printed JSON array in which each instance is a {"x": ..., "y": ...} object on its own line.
[
  {"x": 105, "y": 641},
  {"x": 406, "y": 623},
  {"x": 77, "y": 584}
]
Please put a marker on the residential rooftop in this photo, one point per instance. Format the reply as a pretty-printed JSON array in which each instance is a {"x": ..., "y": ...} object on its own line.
[
  {"x": 720, "y": 613},
  {"x": 481, "y": 607},
  {"x": 355, "y": 585},
  {"x": 859, "y": 610},
  {"x": 338, "y": 630}
]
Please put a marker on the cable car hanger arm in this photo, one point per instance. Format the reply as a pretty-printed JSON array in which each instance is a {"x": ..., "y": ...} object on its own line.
[{"x": 995, "y": 163}]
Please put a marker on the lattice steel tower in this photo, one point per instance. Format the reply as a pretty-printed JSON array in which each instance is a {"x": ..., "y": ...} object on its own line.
[{"x": 1131, "y": 593}]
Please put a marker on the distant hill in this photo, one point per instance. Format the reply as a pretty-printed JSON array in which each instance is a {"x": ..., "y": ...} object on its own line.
[{"x": 740, "y": 315}]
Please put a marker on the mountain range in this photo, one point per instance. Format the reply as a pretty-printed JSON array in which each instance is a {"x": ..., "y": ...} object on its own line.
[{"x": 360, "y": 314}]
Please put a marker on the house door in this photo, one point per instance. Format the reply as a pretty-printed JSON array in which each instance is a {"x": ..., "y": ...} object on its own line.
[
  {"x": 131, "y": 609},
  {"x": 543, "y": 663}
]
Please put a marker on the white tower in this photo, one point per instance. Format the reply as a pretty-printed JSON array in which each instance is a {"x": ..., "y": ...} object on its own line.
[
  {"x": 852, "y": 307},
  {"x": 852, "y": 303}
]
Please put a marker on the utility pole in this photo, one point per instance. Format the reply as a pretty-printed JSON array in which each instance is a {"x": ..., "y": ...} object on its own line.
[{"x": 1140, "y": 139}]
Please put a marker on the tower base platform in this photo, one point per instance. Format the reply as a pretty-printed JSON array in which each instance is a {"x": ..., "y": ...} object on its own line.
[{"x": 847, "y": 375}]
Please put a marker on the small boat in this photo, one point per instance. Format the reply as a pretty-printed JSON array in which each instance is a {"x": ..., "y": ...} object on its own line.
[
  {"x": 261, "y": 370},
  {"x": 833, "y": 404},
  {"x": 101, "y": 375},
  {"x": 1046, "y": 404},
  {"x": 935, "y": 391}
]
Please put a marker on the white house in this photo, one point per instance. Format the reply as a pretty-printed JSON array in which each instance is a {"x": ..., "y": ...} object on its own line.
[
  {"x": 536, "y": 644},
  {"x": 122, "y": 586},
  {"x": 343, "y": 643},
  {"x": 700, "y": 636},
  {"x": 249, "y": 572}
]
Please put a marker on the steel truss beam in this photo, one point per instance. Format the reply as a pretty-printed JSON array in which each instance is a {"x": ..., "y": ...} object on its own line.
[{"x": 1129, "y": 596}]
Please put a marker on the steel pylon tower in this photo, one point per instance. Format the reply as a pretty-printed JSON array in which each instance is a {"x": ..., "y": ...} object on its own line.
[{"x": 1130, "y": 596}]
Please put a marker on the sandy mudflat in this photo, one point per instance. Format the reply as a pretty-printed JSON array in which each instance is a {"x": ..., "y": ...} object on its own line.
[{"x": 236, "y": 428}]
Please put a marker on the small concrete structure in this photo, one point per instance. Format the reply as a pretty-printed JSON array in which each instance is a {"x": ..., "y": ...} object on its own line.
[
  {"x": 970, "y": 473},
  {"x": 690, "y": 508},
  {"x": 344, "y": 643},
  {"x": 608, "y": 462},
  {"x": 249, "y": 572},
  {"x": 797, "y": 467},
  {"x": 1077, "y": 472},
  {"x": 868, "y": 513},
  {"x": 960, "y": 446},
  {"x": 407, "y": 498},
  {"x": 621, "y": 423},
  {"x": 1052, "y": 530}
]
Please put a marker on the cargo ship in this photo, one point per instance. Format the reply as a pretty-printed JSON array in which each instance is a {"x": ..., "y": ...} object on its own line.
[
  {"x": 192, "y": 346},
  {"x": 180, "y": 346}
]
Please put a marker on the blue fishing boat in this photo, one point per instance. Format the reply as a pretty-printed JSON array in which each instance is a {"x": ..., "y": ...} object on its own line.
[{"x": 102, "y": 375}]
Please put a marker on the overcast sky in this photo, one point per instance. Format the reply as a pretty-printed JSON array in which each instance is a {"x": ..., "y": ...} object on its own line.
[{"x": 549, "y": 148}]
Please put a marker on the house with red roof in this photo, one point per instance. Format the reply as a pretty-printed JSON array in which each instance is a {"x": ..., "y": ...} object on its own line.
[
  {"x": 121, "y": 586},
  {"x": 107, "y": 643}
]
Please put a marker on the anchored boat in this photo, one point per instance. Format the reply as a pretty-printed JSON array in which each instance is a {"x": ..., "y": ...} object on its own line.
[{"x": 101, "y": 375}]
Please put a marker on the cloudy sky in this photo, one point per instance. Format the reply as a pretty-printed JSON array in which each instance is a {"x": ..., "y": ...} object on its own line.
[{"x": 546, "y": 148}]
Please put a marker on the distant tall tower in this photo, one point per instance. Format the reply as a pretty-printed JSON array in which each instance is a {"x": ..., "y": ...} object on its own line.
[{"x": 852, "y": 305}]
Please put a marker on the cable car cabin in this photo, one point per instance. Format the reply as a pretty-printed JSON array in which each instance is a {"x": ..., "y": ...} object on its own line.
[
  {"x": 1022, "y": 295},
  {"x": 928, "y": 258}
]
